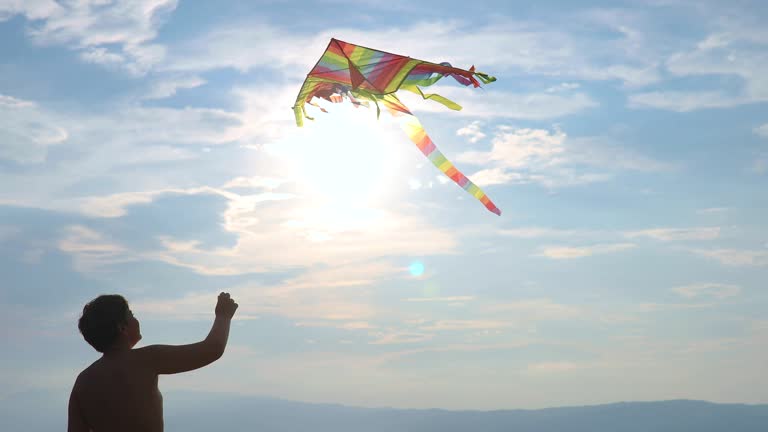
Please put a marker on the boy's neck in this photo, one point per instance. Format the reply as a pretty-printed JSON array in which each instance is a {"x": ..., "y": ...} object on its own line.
[{"x": 118, "y": 348}]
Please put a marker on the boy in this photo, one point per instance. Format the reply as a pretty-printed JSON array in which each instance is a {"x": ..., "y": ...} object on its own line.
[{"x": 118, "y": 392}]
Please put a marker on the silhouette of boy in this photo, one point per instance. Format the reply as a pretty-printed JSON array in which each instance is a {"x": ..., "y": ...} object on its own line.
[{"x": 119, "y": 392}]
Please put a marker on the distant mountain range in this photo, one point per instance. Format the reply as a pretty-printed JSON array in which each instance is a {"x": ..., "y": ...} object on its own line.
[
  {"x": 198, "y": 412},
  {"x": 194, "y": 414}
]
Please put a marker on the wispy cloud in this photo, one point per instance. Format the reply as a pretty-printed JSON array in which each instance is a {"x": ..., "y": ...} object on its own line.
[
  {"x": 553, "y": 159},
  {"x": 759, "y": 165},
  {"x": 169, "y": 86},
  {"x": 333, "y": 297},
  {"x": 91, "y": 250},
  {"x": 255, "y": 182},
  {"x": 31, "y": 9},
  {"x": 713, "y": 210},
  {"x": 449, "y": 299},
  {"x": 735, "y": 257},
  {"x": 26, "y": 132},
  {"x": 716, "y": 290},
  {"x": 524, "y": 106},
  {"x": 665, "y": 307},
  {"x": 539, "y": 232},
  {"x": 472, "y": 131},
  {"x": 735, "y": 50},
  {"x": 400, "y": 338},
  {"x": 551, "y": 367},
  {"x": 677, "y": 234},
  {"x": 473, "y": 324},
  {"x": 504, "y": 45},
  {"x": 117, "y": 33},
  {"x": 571, "y": 252},
  {"x": 762, "y": 130},
  {"x": 541, "y": 309},
  {"x": 684, "y": 101}
]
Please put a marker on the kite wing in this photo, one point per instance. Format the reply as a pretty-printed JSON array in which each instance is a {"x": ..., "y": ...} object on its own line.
[{"x": 365, "y": 75}]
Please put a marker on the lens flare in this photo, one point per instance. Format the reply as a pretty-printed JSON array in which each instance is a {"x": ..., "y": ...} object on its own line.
[{"x": 416, "y": 268}]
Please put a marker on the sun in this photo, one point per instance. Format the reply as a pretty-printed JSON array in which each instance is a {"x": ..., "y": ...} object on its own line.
[{"x": 347, "y": 158}]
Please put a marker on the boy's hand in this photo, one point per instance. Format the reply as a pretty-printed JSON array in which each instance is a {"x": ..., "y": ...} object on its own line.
[{"x": 225, "y": 306}]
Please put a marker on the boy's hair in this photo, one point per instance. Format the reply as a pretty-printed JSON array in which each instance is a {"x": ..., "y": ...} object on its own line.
[{"x": 101, "y": 320}]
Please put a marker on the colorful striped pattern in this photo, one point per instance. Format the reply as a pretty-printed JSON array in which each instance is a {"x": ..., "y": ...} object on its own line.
[
  {"x": 361, "y": 73},
  {"x": 419, "y": 136}
]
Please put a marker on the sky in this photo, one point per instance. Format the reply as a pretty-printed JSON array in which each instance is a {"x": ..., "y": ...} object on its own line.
[{"x": 148, "y": 148}]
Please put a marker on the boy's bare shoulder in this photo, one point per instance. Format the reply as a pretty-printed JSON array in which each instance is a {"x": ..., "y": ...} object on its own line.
[
  {"x": 89, "y": 371},
  {"x": 85, "y": 377}
]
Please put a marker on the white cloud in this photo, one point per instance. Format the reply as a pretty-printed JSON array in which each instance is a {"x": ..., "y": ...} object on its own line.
[
  {"x": 759, "y": 166},
  {"x": 735, "y": 257},
  {"x": 537, "y": 232},
  {"x": 115, "y": 205},
  {"x": 91, "y": 250},
  {"x": 713, "y": 210},
  {"x": 256, "y": 182},
  {"x": 337, "y": 296},
  {"x": 684, "y": 101},
  {"x": 735, "y": 50},
  {"x": 501, "y": 104},
  {"x": 151, "y": 125},
  {"x": 414, "y": 184},
  {"x": 605, "y": 152},
  {"x": 717, "y": 290},
  {"x": 472, "y": 132},
  {"x": 12, "y": 102},
  {"x": 542, "y": 309},
  {"x": 469, "y": 324},
  {"x": 529, "y": 47},
  {"x": 677, "y": 234},
  {"x": 26, "y": 132},
  {"x": 662, "y": 307},
  {"x": 495, "y": 176},
  {"x": 520, "y": 147},
  {"x": 7, "y": 231},
  {"x": 114, "y": 33},
  {"x": 30, "y": 131},
  {"x": 168, "y": 86},
  {"x": 563, "y": 87},
  {"x": 269, "y": 46},
  {"x": 32, "y": 9},
  {"x": 400, "y": 338},
  {"x": 552, "y": 159},
  {"x": 551, "y": 367},
  {"x": 762, "y": 130},
  {"x": 321, "y": 233},
  {"x": 449, "y": 299},
  {"x": 571, "y": 252}
]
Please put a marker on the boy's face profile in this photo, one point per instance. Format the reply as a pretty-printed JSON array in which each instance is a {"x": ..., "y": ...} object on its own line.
[{"x": 131, "y": 330}]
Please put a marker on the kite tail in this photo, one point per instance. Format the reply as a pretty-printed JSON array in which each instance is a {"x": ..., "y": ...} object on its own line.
[{"x": 418, "y": 135}]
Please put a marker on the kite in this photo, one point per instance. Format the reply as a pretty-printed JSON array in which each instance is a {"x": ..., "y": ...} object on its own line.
[{"x": 362, "y": 75}]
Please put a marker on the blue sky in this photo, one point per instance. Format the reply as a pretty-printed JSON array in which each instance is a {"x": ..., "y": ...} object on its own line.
[{"x": 148, "y": 148}]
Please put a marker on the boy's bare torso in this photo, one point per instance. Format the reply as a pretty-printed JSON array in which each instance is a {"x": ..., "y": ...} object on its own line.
[{"x": 119, "y": 393}]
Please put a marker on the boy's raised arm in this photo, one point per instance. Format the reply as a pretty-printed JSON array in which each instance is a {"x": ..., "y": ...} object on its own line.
[{"x": 171, "y": 359}]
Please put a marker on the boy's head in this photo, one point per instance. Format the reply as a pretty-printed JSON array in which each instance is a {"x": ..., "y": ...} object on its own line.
[{"x": 106, "y": 321}]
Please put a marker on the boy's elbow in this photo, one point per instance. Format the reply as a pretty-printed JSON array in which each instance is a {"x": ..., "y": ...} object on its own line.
[{"x": 217, "y": 350}]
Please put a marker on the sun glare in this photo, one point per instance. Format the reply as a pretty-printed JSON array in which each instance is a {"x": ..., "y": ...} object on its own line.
[{"x": 347, "y": 160}]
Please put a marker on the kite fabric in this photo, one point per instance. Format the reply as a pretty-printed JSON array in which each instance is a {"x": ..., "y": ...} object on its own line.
[{"x": 363, "y": 75}]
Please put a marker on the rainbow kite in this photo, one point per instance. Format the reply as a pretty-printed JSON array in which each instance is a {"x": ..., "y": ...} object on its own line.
[{"x": 362, "y": 74}]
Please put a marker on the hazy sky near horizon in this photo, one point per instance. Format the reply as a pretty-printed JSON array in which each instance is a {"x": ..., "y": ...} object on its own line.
[{"x": 148, "y": 148}]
